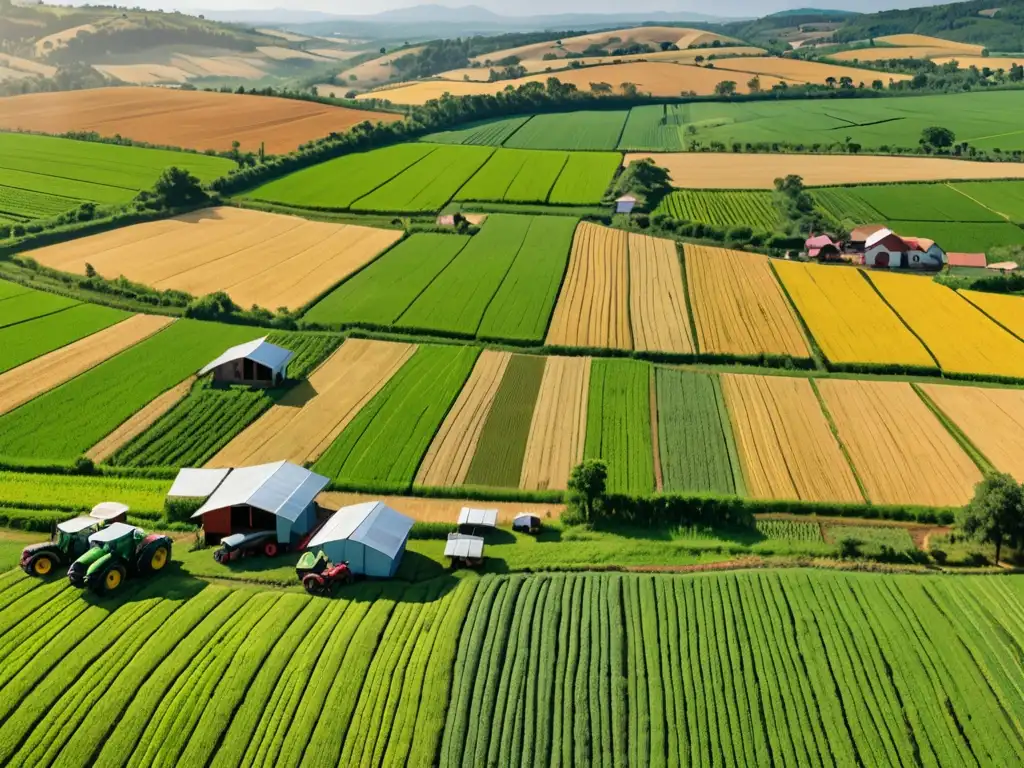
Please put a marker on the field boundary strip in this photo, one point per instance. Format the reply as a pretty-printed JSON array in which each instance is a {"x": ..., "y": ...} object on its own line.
[
  {"x": 977, "y": 455},
  {"x": 903, "y": 320},
  {"x": 842, "y": 446}
]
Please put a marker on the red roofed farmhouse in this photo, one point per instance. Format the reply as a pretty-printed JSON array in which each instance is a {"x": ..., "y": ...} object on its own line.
[{"x": 886, "y": 249}]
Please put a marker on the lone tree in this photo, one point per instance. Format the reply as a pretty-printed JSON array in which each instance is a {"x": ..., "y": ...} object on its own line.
[
  {"x": 938, "y": 137},
  {"x": 178, "y": 187},
  {"x": 587, "y": 485},
  {"x": 996, "y": 513},
  {"x": 725, "y": 88}
]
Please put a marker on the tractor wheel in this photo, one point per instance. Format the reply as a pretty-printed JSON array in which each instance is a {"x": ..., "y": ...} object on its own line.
[
  {"x": 219, "y": 556},
  {"x": 42, "y": 564},
  {"x": 270, "y": 549},
  {"x": 110, "y": 580},
  {"x": 154, "y": 557},
  {"x": 314, "y": 585}
]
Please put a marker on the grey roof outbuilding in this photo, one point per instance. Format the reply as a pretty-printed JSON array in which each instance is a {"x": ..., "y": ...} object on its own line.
[
  {"x": 259, "y": 351},
  {"x": 282, "y": 488},
  {"x": 460, "y": 545}
]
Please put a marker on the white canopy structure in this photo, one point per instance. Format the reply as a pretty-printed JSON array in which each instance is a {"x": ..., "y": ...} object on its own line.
[
  {"x": 197, "y": 483},
  {"x": 464, "y": 547},
  {"x": 259, "y": 351},
  {"x": 370, "y": 537},
  {"x": 484, "y": 518},
  {"x": 112, "y": 533},
  {"x": 109, "y": 510},
  {"x": 282, "y": 488},
  {"x": 78, "y": 524}
]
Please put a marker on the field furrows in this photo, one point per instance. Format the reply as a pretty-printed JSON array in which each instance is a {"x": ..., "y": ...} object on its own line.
[
  {"x": 140, "y": 422},
  {"x": 619, "y": 424},
  {"x": 25, "y": 382},
  {"x": 558, "y": 427},
  {"x": 888, "y": 430},
  {"x": 306, "y": 421},
  {"x": 593, "y": 307},
  {"x": 34, "y": 338},
  {"x": 786, "y": 446},
  {"x": 691, "y": 435},
  {"x": 847, "y": 317},
  {"x": 738, "y": 307},
  {"x": 498, "y": 459},
  {"x": 723, "y": 209},
  {"x": 960, "y": 336},
  {"x": 657, "y": 304},
  {"x": 448, "y": 459},
  {"x": 992, "y": 419}
]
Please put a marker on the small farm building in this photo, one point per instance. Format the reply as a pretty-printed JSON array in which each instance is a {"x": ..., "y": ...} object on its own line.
[
  {"x": 1003, "y": 266},
  {"x": 196, "y": 483},
  {"x": 370, "y": 537},
  {"x": 886, "y": 249},
  {"x": 966, "y": 259},
  {"x": 477, "y": 518},
  {"x": 625, "y": 204},
  {"x": 463, "y": 549},
  {"x": 859, "y": 236},
  {"x": 822, "y": 247},
  {"x": 257, "y": 363},
  {"x": 270, "y": 497}
]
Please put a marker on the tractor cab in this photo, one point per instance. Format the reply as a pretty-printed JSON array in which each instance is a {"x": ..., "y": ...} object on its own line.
[
  {"x": 117, "y": 551},
  {"x": 70, "y": 539}
]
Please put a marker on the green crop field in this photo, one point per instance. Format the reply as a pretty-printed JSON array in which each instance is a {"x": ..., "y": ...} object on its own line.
[
  {"x": 491, "y": 133},
  {"x": 63, "y": 423},
  {"x": 718, "y": 208},
  {"x": 873, "y": 535},
  {"x": 593, "y": 130},
  {"x": 585, "y": 178},
  {"x": 842, "y": 204},
  {"x": 790, "y": 530},
  {"x": 82, "y": 492},
  {"x": 381, "y": 292},
  {"x": 30, "y": 304},
  {"x": 32, "y": 338},
  {"x": 9, "y": 289},
  {"x": 653, "y": 128},
  {"x": 44, "y": 175},
  {"x": 192, "y": 432},
  {"x": 960, "y": 236},
  {"x": 522, "y": 306},
  {"x": 919, "y": 202},
  {"x": 692, "y": 438},
  {"x": 498, "y": 460},
  {"x": 338, "y": 183},
  {"x": 310, "y": 350},
  {"x": 428, "y": 184},
  {"x": 515, "y": 175},
  {"x": 619, "y": 424},
  {"x": 1004, "y": 197},
  {"x": 384, "y": 444}
]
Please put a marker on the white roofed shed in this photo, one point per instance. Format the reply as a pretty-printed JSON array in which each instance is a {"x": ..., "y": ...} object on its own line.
[
  {"x": 280, "y": 495},
  {"x": 462, "y": 547},
  {"x": 196, "y": 483},
  {"x": 478, "y": 518},
  {"x": 370, "y": 537},
  {"x": 257, "y": 363}
]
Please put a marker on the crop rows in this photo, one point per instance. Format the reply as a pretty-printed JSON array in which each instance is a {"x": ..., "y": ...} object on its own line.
[
  {"x": 82, "y": 492},
  {"x": 729, "y": 670},
  {"x": 24, "y": 204},
  {"x": 619, "y": 424},
  {"x": 385, "y": 442},
  {"x": 918, "y": 202},
  {"x": 753, "y": 209},
  {"x": 34, "y": 338},
  {"x": 654, "y": 128},
  {"x": 310, "y": 349},
  {"x": 65, "y": 422},
  {"x": 515, "y": 175},
  {"x": 790, "y": 530},
  {"x": 585, "y": 178},
  {"x": 589, "y": 130},
  {"x": 490, "y": 133},
  {"x": 429, "y": 184},
  {"x": 194, "y": 430},
  {"x": 692, "y": 438}
]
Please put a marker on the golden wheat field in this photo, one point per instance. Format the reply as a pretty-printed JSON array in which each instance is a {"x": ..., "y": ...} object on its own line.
[
  {"x": 425, "y": 510},
  {"x": 593, "y": 306},
  {"x": 786, "y": 447},
  {"x": 798, "y": 70},
  {"x": 378, "y": 70},
  {"x": 994, "y": 63},
  {"x": 960, "y": 337},
  {"x": 257, "y": 258},
  {"x": 847, "y": 317},
  {"x": 885, "y": 53},
  {"x": 451, "y": 452},
  {"x": 992, "y": 419},
  {"x": 709, "y": 170},
  {"x": 304, "y": 423},
  {"x": 738, "y": 306},
  {"x": 911, "y": 40},
  {"x": 21, "y": 384},
  {"x": 1008, "y": 311},
  {"x": 657, "y": 303},
  {"x": 901, "y": 451},
  {"x": 558, "y": 427},
  {"x": 140, "y": 422}
]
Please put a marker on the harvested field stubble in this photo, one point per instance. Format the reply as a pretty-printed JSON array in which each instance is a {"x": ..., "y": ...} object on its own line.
[
  {"x": 657, "y": 304},
  {"x": 738, "y": 306},
  {"x": 307, "y": 420},
  {"x": 592, "y": 309},
  {"x": 558, "y": 428},
  {"x": 992, "y": 419},
  {"x": 891, "y": 434},
  {"x": 797, "y": 70},
  {"x": 448, "y": 459},
  {"x": 786, "y": 447},
  {"x": 214, "y": 119},
  {"x": 44, "y": 373}
]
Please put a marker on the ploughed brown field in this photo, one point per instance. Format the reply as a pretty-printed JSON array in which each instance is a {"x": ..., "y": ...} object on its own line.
[{"x": 190, "y": 119}]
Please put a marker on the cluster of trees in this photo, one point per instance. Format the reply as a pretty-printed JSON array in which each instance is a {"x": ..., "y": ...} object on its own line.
[
  {"x": 68, "y": 77},
  {"x": 796, "y": 207},
  {"x": 995, "y": 515}
]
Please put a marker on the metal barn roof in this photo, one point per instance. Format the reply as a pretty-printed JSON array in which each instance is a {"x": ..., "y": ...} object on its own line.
[
  {"x": 197, "y": 483},
  {"x": 112, "y": 533},
  {"x": 77, "y": 524},
  {"x": 372, "y": 523},
  {"x": 481, "y": 517},
  {"x": 259, "y": 351},
  {"x": 282, "y": 488},
  {"x": 108, "y": 510},
  {"x": 459, "y": 545}
]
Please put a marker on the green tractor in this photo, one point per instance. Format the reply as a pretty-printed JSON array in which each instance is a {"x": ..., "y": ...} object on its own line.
[
  {"x": 70, "y": 539},
  {"x": 117, "y": 551}
]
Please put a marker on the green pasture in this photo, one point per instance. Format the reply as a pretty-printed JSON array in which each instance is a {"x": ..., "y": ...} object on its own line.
[
  {"x": 585, "y": 130},
  {"x": 30, "y": 339},
  {"x": 491, "y": 133},
  {"x": 30, "y": 304}
]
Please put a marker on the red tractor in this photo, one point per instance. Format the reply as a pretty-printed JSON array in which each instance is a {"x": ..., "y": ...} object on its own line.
[{"x": 319, "y": 575}]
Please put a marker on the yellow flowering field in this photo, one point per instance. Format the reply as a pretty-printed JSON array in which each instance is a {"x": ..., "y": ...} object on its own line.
[
  {"x": 1008, "y": 311},
  {"x": 847, "y": 317}
]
